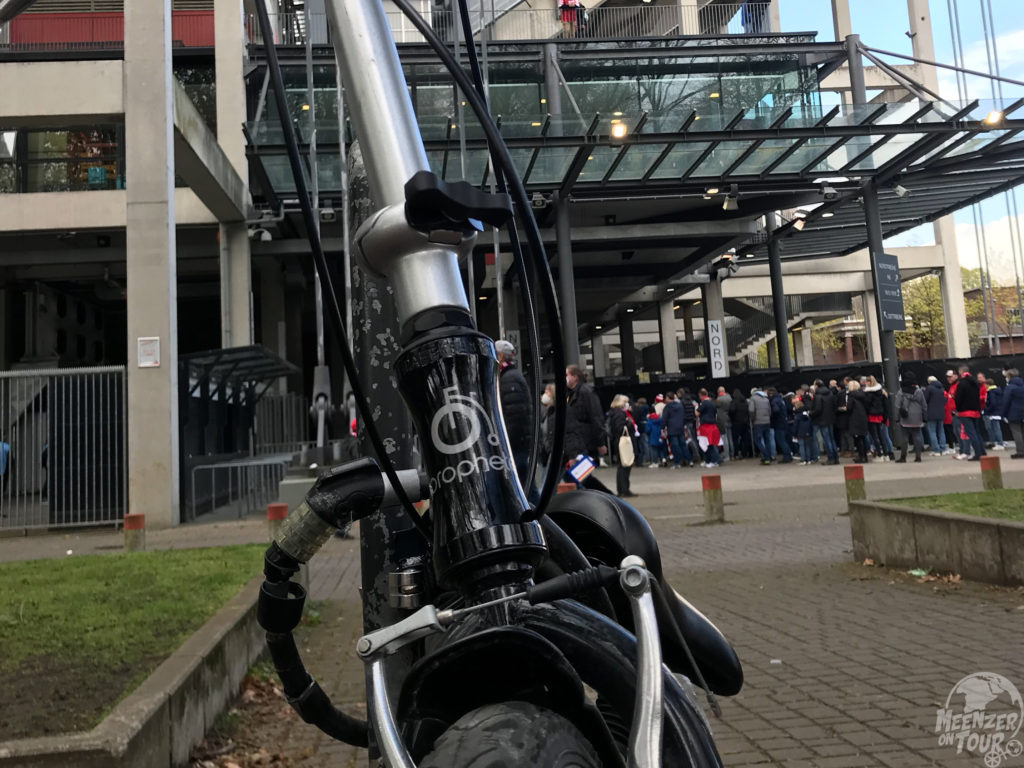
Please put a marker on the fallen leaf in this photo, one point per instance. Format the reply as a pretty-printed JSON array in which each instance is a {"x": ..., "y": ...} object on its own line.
[{"x": 869, "y": 561}]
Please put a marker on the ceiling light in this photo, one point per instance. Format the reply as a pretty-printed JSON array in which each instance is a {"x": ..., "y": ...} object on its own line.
[
  {"x": 995, "y": 117},
  {"x": 617, "y": 114},
  {"x": 731, "y": 203},
  {"x": 799, "y": 224},
  {"x": 630, "y": 309},
  {"x": 535, "y": 125},
  {"x": 675, "y": 307},
  {"x": 711, "y": 191},
  {"x": 597, "y": 327},
  {"x": 750, "y": 255},
  {"x": 619, "y": 131},
  {"x": 714, "y": 95},
  {"x": 670, "y": 290},
  {"x": 827, "y": 215},
  {"x": 543, "y": 101},
  {"x": 482, "y": 298},
  {"x": 305, "y": 107}
]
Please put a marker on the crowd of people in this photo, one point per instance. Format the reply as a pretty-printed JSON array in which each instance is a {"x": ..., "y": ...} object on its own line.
[{"x": 963, "y": 416}]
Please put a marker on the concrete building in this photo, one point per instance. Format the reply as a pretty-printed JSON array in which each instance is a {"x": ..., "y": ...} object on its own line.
[{"x": 698, "y": 192}]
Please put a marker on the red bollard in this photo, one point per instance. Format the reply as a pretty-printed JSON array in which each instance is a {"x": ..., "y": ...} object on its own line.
[
  {"x": 134, "y": 532},
  {"x": 991, "y": 473},
  {"x": 854, "y": 474},
  {"x": 714, "y": 506},
  {"x": 276, "y": 513}
]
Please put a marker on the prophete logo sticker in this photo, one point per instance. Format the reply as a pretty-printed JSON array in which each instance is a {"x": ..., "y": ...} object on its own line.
[{"x": 457, "y": 427}]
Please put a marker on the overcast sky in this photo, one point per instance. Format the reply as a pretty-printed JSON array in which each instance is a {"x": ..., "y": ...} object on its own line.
[{"x": 816, "y": 15}]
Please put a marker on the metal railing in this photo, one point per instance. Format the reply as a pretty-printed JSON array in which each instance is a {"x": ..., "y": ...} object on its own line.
[
  {"x": 63, "y": 442},
  {"x": 236, "y": 487},
  {"x": 282, "y": 424},
  {"x": 641, "y": 20},
  {"x": 31, "y": 32},
  {"x": 105, "y": 31}
]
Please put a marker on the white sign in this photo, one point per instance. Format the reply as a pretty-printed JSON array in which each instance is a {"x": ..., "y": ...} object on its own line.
[
  {"x": 716, "y": 350},
  {"x": 149, "y": 352}
]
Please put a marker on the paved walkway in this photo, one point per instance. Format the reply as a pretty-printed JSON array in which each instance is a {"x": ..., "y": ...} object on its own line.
[{"x": 845, "y": 664}]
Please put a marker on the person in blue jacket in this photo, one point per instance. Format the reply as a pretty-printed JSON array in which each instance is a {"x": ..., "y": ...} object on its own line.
[
  {"x": 935, "y": 415},
  {"x": 656, "y": 440},
  {"x": 992, "y": 414},
  {"x": 1013, "y": 410},
  {"x": 780, "y": 425}
]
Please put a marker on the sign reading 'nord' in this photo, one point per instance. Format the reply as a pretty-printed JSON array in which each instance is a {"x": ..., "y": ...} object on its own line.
[
  {"x": 716, "y": 349},
  {"x": 890, "y": 293}
]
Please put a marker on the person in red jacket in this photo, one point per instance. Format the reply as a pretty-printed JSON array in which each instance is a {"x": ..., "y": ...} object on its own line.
[
  {"x": 968, "y": 410},
  {"x": 947, "y": 424}
]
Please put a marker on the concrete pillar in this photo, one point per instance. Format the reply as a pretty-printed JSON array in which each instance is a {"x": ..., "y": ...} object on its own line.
[
  {"x": 871, "y": 328},
  {"x": 669, "y": 340},
  {"x": 688, "y": 322},
  {"x": 803, "y": 347},
  {"x": 922, "y": 41},
  {"x": 235, "y": 286},
  {"x": 688, "y": 11},
  {"x": 235, "y": 262},
  {"x": 600, "y": 356},
  {"x": 774, "y": 21},
  {"x": 849, "y": 347},
  {"x": 958, "y": 343},
  {"x": 626, "y": 345},
  {"x": 153, "y": 487},
  {"x": 715, "y": 341},
  {"x": 841, "y": 18},
  {"x": 773, "y": 354}
]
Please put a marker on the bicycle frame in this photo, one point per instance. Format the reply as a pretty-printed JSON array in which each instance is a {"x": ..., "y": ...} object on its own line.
[{"x": 487, "y": 542}]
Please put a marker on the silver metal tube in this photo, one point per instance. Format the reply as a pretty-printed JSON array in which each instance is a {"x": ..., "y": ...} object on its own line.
[
  {"x": 646, "y": 732},
  {"x": 366, "y": 55},
  {"x": 389, "y": 740}
]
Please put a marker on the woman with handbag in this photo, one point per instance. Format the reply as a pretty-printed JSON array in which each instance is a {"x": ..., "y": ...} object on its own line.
[{"x": 622, "y": 429}]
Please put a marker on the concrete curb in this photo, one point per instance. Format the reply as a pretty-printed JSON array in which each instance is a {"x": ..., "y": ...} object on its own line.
[
  {"x": 170, "y": 712},
  {"x": 977, "y": 548}
]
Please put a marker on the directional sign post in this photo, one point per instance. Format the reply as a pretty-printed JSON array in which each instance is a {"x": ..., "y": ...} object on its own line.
[{"x": 890, "y": 293}]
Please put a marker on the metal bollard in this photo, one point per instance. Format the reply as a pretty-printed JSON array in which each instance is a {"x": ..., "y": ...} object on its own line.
[
  {"x": 276, "y": 513},
  {"x": 854, "y": 474},
  {"x": 714, "y": 507},
  {"x": 134, "y": 532},
  {"x": 991, "y": 473}
]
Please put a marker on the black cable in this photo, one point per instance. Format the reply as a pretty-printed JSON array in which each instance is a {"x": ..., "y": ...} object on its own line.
[
  {"x": 518, "y": 260},
  {"x": 324, "y": 271},
  {"x": 680, "y": 638},
  {"x": 534, "y": 239}
]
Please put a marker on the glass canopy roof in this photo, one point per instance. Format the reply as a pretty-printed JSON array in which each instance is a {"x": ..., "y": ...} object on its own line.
[{"x": 763, "y": 144}]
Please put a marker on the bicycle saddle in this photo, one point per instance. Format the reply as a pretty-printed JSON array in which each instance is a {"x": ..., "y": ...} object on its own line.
[{"x": 607, "y": 529}]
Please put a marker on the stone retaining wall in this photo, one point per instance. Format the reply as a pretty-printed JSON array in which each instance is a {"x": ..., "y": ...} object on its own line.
[
  {"x": 169, "y": 713},
  {"x": 977, "y": 548}
]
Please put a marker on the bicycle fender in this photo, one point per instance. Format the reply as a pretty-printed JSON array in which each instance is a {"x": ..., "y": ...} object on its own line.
[
  {"x": 604, "y": 654},
  {"x": 487, "y": 666}
]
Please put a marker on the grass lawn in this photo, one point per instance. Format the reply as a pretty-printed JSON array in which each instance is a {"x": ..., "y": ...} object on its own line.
[
  {"x": 81, "y": 633},
  {"x": 1007, "y": 504}
]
